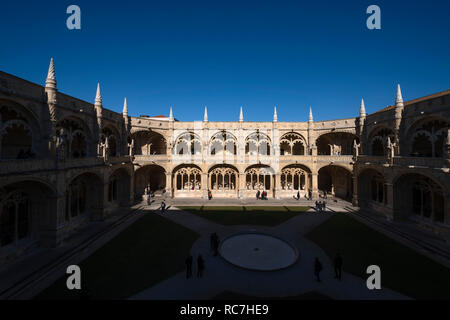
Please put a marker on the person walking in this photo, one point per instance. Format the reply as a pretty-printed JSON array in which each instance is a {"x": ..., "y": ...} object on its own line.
[
  {"x": 189, "y": 267},
  {"x": 338, "y": 262},
  {"x": 200, "y": 266},
  {"x": 163, "y": 206},
  {"x": 317, "y": 269},
  {"x": 257, "y": 195},
  {"x": 216, "y": 244},
  {"x": 298, "y": 195},
  {"x": 209, "y": 194}
]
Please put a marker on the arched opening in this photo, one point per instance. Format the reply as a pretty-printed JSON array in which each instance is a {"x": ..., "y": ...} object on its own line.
[
  {"x": 427, "y": 138},
  {"x": 84, "y": 199},
  {"x": 119, "y": 187},
  {"x": 223, "y": 181},
  {"x": 336, "y": 143},
  {"x": 294, "y": 179},
  {"x": 187, "y": 181},
  {"x": 292, "y": 143},
  {"x": 149, "y": 179},
  {"x": 223, "y": 144},
  {"x": 73, "y": 136},
  {"x": 26, "y": 210},
  {"x": 419, "y": 197},
  {"x": 258, "y": 143},
  {"x": 187, "y": 143},
  {"x": 19, "y": 132},
  {"x": 378, "y": 141},
  {"x": 149, "y": 143},
  {"x": 336, "y": 181},
  {"x": 372, "y": 190},
  {"x": 259, "y": 178},
  {"x": 110, "y": 142}
]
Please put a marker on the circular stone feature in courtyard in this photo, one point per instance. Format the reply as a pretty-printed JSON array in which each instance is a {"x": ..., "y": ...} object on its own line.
[{"x": 258, "y": 251}]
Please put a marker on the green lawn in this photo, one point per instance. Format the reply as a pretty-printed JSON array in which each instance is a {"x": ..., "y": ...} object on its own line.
[
  {"x": 152, "y": 249},
  {"x": 402, "y": 269},
  {"x": 238, "y": 215},
  {"x": 312, "y": 295}
]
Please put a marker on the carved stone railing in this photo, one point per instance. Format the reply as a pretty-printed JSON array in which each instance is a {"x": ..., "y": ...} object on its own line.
[
  {"x": 25, "y": 165},
  {"x": 412, "y": 162},
  {"x": 420, "y": 162},
  {"x": 343, "y": 158}
]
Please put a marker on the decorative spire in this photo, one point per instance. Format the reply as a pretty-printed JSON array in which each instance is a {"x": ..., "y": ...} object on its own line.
[
  {"x": 171, "y": 114},
  {"x": 362, "y": 109},
  {"x": 310, "y": 119},
  {"x": 241, "y": 116},
  {"x": 125, "y": 108},
  {"x": 205, "y": 117},
  {"x": 51, "y": 76},
  {"x": 275, "y": 116},
  {"x": 399, "y": 98},
  {"x": 98, "y": 96}
]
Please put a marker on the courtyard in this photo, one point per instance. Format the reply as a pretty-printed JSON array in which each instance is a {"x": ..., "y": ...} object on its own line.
[{"x": 146, "y": 260}]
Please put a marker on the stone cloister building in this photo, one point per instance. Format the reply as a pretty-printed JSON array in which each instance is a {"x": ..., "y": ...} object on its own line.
[{"x": 66, "y": 162}]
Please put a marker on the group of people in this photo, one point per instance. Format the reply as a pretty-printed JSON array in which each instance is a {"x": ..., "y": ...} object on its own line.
[
  {"x": 261, "y": 195},
  {"x": 337, "y": 262},
  {"x": 214, "y": 242},
  {"x": 321, "y": 206}
]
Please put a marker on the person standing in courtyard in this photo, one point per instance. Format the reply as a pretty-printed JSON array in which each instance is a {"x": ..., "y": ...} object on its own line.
[
  {"x": 209, "y": 194},
  {"x": 163, "y": 206},
  {"x": 338, "y": 262},
  {"x": 257, "y": 195},
  {"x": 317, "y": 269},
  {"x": 189, "y": 267},
  {"x": 298, "y": 195},
  {"x": 200, "y": 266},
  {"x": 216, "y": 242}
]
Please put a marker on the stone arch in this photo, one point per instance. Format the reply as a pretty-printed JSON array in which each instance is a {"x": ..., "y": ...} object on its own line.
[
  {"x": 378, "y": 140},
  {"x": 372, "y": 189},
  {"x": 76, "y": 137},
  {"x": 294, "y": 179},
  {"x": 187, "y": 180},
  {"x": 19, "y": 131},
  {"x": 187, "y": 143},
  {"x": 84, "y": 198},
  {"x": 293, "y": 143},
  {"x": 223, "y": 142},
  {"x": 119, "y": 187},
  {"x": 426, "y": 137},
  {"x": 223, "y": 180},
  {"x": 336, "y": 143},
  {"x": 110, "y": 139},
  {"x": 149, "y": 178},
  {"x": 27, "y": 210},
  {"x": 419, "y": 197},
  {"x": 259, "y": 177},
  {"x": 149, "y": 142},
  {"x": 336, "y": 181},
  {"x": 258, "y": 143}
]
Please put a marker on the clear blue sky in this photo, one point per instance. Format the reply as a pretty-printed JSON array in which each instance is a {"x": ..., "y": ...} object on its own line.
[{"x": 225, "y": 54}]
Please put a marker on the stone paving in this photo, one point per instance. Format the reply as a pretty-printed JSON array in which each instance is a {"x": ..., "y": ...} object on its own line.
[{"x": 221, "y": 276}]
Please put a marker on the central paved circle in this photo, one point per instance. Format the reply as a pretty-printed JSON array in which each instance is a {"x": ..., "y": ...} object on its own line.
[{"x": 257, "y": 251}]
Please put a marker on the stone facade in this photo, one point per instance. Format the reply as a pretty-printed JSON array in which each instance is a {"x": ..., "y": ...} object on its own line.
[{"x": 65, "y": 162}]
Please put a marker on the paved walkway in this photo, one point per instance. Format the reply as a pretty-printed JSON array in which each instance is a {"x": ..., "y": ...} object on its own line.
[{"x": 221, "y": 276}]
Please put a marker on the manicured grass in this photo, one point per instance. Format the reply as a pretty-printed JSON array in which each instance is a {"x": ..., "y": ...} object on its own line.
[
  {"x": 312, "y": 295},
  {"x": 246, "y": 215},
  {"x": 402, "y": 269},
  {"x": 152, "y": 249}
]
